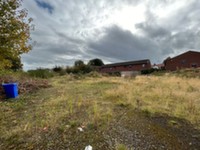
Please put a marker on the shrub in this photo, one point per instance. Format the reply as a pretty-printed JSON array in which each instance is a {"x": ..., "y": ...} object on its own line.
[
  {"x": 60, "y": 70},
  {"x": 57, "y": 69},
  {"x": 148, "y": 71},
  {"x": 69, "y": 69},
  {"x": 4, "y": 72},
  {"x": 81, "y": 69},
  {"x": 94, "y": 74},
  {"x": 41, "y": 73},
  {"x": 114, "y": 74}
]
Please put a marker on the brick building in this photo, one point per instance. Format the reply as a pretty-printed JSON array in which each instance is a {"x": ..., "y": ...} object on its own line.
[
  {"x": 126, "y": 66},
  {"x": 189, "y": 59}
]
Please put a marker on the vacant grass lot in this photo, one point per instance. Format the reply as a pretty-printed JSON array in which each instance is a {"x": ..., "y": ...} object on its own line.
[
  {"x": 50, "y": 118},
  {"x": 175, "y": 96}
]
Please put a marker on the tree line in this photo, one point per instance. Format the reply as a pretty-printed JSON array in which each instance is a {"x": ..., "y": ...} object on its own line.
[{"x": 78, "y": 68}]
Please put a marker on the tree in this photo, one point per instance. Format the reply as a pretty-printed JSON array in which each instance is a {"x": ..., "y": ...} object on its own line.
[
  {"x": 95, "y": 62},
  {"x": 57, "y": 69},
  {"x": 78, "y": 63},
  {"x": 16, "y": 64},
  {"x": 15, "y": 30},
  {"x": 79, "y": 67}
]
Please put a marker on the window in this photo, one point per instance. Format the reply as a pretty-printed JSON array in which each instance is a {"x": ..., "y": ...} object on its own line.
[
  {"x": 143, "y": 65},
  {"x": 183, "y": 61},
  {"x": 194, "y": 65}
]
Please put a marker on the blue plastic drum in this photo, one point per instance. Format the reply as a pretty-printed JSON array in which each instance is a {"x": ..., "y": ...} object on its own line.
[{"x": 11, "y": 90}]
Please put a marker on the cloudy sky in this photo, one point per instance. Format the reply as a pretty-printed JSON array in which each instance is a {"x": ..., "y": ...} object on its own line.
[{"x": 112, "y": 30}]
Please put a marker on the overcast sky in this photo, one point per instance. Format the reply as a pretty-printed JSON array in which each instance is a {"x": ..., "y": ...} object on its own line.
[{"x": 112, "y": 30}]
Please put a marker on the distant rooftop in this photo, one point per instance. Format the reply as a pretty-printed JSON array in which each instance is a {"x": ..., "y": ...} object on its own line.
[
  {"x": 145, "y": 61},
  {"x": 189, "y": 51}
]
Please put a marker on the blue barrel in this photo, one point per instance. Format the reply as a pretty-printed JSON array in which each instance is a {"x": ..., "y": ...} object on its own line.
[{"x": 11, "y": 90}]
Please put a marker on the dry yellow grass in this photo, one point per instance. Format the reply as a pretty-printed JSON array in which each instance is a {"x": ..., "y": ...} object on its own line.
[{"x": 175, "y": 96}]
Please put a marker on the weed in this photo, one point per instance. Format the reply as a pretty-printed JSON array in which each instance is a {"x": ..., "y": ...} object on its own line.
[
  {"x": 91, "y": 126},
  {"x": 191, "y": 107},
  {"x": 147, "y": 113},
  {"x": 121, "y": 147},
  {"x": 173, "y": 122},
  {"x": 70, "y": 106},
  {"x": 122, "y": 103},
  {"x": 192, "y": 89},
  {"x": 74, "y": 123},
  {"x": 96, "y": 114}
]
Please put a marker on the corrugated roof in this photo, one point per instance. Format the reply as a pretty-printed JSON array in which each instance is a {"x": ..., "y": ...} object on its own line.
[{"x": 145, "y": 61}]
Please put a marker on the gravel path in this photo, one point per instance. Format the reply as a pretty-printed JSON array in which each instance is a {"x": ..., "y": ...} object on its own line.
[{"x": 138, "y": 132}]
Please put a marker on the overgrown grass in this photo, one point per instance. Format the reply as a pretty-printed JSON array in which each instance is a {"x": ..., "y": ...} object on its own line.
[
  {"x": 39, "y": 119},
  {"x": 175, "y": 96},
  {"x": 68, "y": 104},
  {"x": 188, "y": 73}
]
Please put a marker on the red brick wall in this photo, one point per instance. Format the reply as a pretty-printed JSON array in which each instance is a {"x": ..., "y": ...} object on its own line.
[
  {"x": 137, "y": 67},
  {"x": 186, "y": 60}
]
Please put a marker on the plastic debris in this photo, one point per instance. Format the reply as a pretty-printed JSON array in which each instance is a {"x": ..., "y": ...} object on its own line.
[
  {"x": 88, "y": 147},
  {"x": 80, "y": 129}
]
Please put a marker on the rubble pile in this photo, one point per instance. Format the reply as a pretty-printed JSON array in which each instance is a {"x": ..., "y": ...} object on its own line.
[{"x": 25, "y": 85}]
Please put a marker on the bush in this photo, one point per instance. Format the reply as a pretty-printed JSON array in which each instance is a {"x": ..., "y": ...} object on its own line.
[
  {"x": 60, "y": 70},
  {"x": 4, "y": 72},
  {"x": 41, "y": 73},
  {"x": 188, "y": 73},
  {"x": 69, "y": 69},
  {"x": 148, "y": 71},
  {"x": 81, "y": 69},
  {"x": 94, "y": 74},
  {"x": 62, "y": 73},
  {"x": 57, "y": 69},
  {"x": 115, "y": 74}
]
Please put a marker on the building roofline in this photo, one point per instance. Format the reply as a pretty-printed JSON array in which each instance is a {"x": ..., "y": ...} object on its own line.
[
  {"x": 185, "y": 53},
  {"x": 127, "y": 63}
]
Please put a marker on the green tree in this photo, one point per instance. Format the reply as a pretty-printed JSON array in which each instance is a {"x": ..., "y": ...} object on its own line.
[
  {"x": 95, "y": 62},
  {"x": 78, "y": 63},
  {"x": 16, "y": 64},
  {"x": 15, "y": 30},
  {"x": 79, "y": 67},
  {"x": 57, "y": 69}
]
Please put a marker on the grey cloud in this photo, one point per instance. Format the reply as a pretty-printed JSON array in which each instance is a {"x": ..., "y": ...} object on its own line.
[
  {"x": 188, "y": 15},
  {"x": 75, "y": 31},
  {"x": 179, "y": 32},
  {"x": 153, "y": 30},
  {"x": 49, "y": 54},
  {"x": 65, "y": 37},
  {"x": 123, "y": 45},
  {"x": 184, "y": 39}
]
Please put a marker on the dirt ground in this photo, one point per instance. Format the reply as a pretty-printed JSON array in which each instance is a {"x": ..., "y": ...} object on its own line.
[{"x": 137, "y": 132}]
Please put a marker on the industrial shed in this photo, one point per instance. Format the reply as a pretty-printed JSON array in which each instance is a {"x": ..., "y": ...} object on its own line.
[
  {"x": 189, "y": 59},
  {"x": 126, "y": 66}
]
